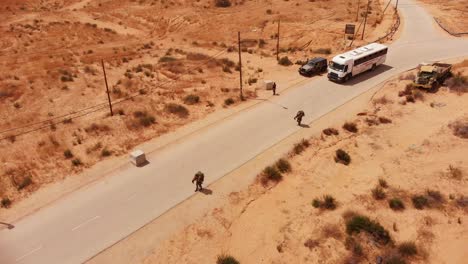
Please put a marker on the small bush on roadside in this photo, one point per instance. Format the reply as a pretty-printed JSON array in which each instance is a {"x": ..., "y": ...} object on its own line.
[
  {"x": 144, "y": 118},
  {"x": 252, "y": 81},
  {"x": 301, "y": 146},
  {"x": 191, "y": 99},
  {"x": 331, "y": 131},
  {"x": 378, "y": 193},
  {"x": 176, "y": 109},
  {"x": 328, "y": 202},
  {"x": 6, "y": 202},
  {"x": 283, "y": 165},
  {"x": 222, "y": 3},
  {"x": 350, "y": 127},
  {"x": 455, "y": 173},
  {"x": 23, "y": 182},
  {"x": 408, "y": 249},
  {"x": 105, "y": 153},
  {"x": 271, "y": 173},
  {"x": 458, "y": 83},
  {"x": 383, "y": 183},
  {"x": 226, "y": 259},
  {"x": 76, "y": 162},
  {"x": 342, "y": 157},
  {"x": 354, "y": 246},
  {"x": 419, "y": 201},
  {"x": 323, "y": 51},
  {"x": 68, "y": 154},
  {"x": 396, "y": 259},
  {"x": 285, "y": 61},
  {"x": 396, "y": 204},
  {"x": 460, "y": 128},
  {"x": 384, "y": 120},
  {"x": 410, "y": 99},
  {"x": 359, "y": 223},
  {"x": 229, "y": 101}
]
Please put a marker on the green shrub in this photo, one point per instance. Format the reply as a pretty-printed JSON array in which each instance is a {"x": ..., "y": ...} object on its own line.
[
  {"x": 396, "y": 204},
  {"x": 222, "y": 3},
  {"x": 68, "y": 154},
  {"x": 6, "y": 202},
  {"x": 419, "y": 201},
  {"x": 283, "y": 165},
  {"x": 76, "y": 162},
  {"x": 301, "y": 146},
  {"x": 229, "y": 101},
  {"x": 272, "y": 174},
  {"x": 191, "y": 99},
  {"x": 351, "y": 127},
  {"x": 359, "y": 223},
  {"x": 378, "y": 193},
  {"x": 316, "y": 203},
  {"x": 177, "y": 109},
  {"x": 408, "y": 249},
  {"x": 354, "y": 246},
  {"x": 226, "y": 259},
  {"x": 342, "y": 157},
  {"x": 284, "y": 61},
  {"x": 328, "y": 202}
]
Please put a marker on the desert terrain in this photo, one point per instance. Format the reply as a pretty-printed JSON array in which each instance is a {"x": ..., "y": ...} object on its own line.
[
  {"x": 451, "y": 14},
  {"x": 168, "y": 63},
  {"x": 390, "y": 183}
]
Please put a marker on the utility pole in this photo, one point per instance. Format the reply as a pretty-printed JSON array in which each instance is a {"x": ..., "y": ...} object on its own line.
[
  {"x": 396, "y": 6},
  {"x": 357, "y": 13},
  {"x": 365, "y": 20},
  {"x": 240, "y": 66},
  {"x": 10, "y": 226},
  {"x": 277, "y": 41},
  {"x": 107, "y": 88}
]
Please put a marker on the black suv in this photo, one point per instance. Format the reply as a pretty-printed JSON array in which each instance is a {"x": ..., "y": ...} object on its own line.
[{"x": 314, "y": 66}]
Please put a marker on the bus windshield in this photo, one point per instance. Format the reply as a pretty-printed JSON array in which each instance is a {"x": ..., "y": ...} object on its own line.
[{"x": 336, "y": 66}]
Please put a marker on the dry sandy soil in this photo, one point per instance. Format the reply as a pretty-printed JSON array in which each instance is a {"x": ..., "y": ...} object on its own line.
[
  {"x": 54, "y": 120},
  {"x": 451, "y": 14},
  {"x": 402, "y": 148}
]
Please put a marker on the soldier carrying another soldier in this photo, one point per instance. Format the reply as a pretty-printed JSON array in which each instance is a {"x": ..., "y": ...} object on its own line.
[
  {"x": 198, "y": 178},
  {"x": 300, "y": 114}
]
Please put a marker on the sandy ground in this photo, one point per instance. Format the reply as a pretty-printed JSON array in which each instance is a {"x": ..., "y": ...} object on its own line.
[
  {"x": 451, "y": 14},
  {"x": 417, "y": 153},
  {"x": 54, "y": 118}
]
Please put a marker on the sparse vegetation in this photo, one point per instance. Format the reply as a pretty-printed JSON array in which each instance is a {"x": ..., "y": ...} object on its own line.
[
  {"x": 408, "y": 249},
  {"x": 419, "y": 201},
  {"x": 271, "y": 173},
  {"x": 396, "y": 204},
  {"x": 229, "y": 101},
  {"x": 68, "y": 154},
  {"x": 144, "y": 118},
  {"x": 384, "y": 120},
  {"x": 328, "y": 202},
  {"x": 378, "y": 193},
  {"x": 354, "y": 246},
  {"x": 394, "y": 259},
  {"x": 191, "y": 99},
  {"x": 22, "y": 182},
  {"x": 222, "y": 3},
  {"x": 6, "y": 202},
  {"x": 460, "y": 128},
  {"x": 326, "y": 51},
  {"x": 226, "y": 259},
  {"x": 330, "y": 131},
  {"x": 458, "y": 83},
  {"x": 283, "y": 165},
  {"x": 285, "y": 61},
  {"x": 342, "y": 157},
  {"x": 301, "y": 146},
  {"x": 383, "y": 183},
  {"x": 177, "y": 109},
  {"x": 76, "y": 162},
  {"x": 105, "y": 153},
  {"x": 350, "y": 127},
  {"x": 359, "y": 223},
  {"x": 455, "y": 172}
]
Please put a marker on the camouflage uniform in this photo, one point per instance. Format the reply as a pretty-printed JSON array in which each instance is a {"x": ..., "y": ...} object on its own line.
[{"x": 198, "y": 178}]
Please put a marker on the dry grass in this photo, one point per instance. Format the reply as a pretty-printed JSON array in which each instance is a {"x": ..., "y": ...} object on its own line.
[
  {"x": 331, "y": 131},
  {"x": 460, "y": 128},
  {"x": 350, "y": 127}
]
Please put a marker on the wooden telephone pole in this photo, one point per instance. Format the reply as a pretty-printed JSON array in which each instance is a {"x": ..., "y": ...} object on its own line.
[
  {"x": 396, "y": 6},
  {"x": 240, "y": 65},
  {"x": 107, "y": 88},
  {"x": 365, "y": 20},
  {"x": 357, "y": 13},
  {"x": 277, "y": 40}
]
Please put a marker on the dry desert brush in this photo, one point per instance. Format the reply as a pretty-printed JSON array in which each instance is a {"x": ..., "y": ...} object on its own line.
[
  {"x": 226, "y": 259},
  {"x": 359, "y": 223},
  {"x": 283, "y": 166},
  {"x": 191, "y": 99},
  {"x": 460, "y": 128},
  {"x": 331, "y": 131},
  {"x": 300, "y": 147},
  {"x": 342, "y": 157},
  {"x": 350, "y": 127},
  {"x": 176, "y": 109},
  {"x": 408, "y": 249},
  {"x": 396, "y": 204},
  {"x": 327, "y": 202},
  {"x": 6, "y": 202},
  {"x": 270, "y": 174},
  {"x": 378, "y": 193}
]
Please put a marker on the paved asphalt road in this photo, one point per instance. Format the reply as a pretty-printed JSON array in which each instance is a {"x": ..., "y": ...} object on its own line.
[{"x": 80, "y": 225}]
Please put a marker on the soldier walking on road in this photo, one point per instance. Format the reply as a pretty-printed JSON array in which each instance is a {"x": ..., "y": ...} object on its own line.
[
  {"x": 198, "y": 178},
  {"x": 274, "y": 88},
  {"x": 300, "y": 114}
]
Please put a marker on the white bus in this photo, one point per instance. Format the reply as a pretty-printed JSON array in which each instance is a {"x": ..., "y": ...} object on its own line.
[{"x": 351, "y": 63}]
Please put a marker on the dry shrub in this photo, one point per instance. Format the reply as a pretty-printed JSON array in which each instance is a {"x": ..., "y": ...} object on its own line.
[
  {"x": 408, "y": 249},
  {"x": 197, "y": 56},
  {"x": 455, "y": 173},
  {"x": 372, "y": 122},
  {"x": 326, "y": 51},
  {"x": 408, "y": 76},
  {"x": 384, "y": 120},
  {"x": 418, "y": 95},
  {"x": 222, "y": 3},
  {"x": 21, "y": 181},
  {"x": 354, "y": 246},
  {"x": 396, "y": 204},
  {"x": 283, "y": 165},
  {"x": 331, "y": 131},
  {"x": 229, "y": 101},
  {"x": 359, "y": 223},
  {"x": 226, "y": 259},
  {"x": 177, "y": 109},
  {"x": 68, "y": 154},
  {"x": 300, "y": 147},
  {"x": 460, "y": 128},
  {"x": 462, "y": 202},
  {"x": 270, "y": 174},
  {"x": 382, "y": 100},
  {"x": 6, "y": 202},
  {"x": 350, "y": 127},
  {"x": 458, "y": 83},
  {"x": 342, "y": 157},
  {"x": 191, "y": 99},
  {"x": 332, "y": 231},
  {"x": 378, "y": 193},
  {"x": 96, "y": 128},
  {"x": 311, "y": 243},
  {"x": 327, "y": 202},
  {"x": 419, "y": 201},
  {"x": 383, "y": 183},
  {"x": 285, "y": 61},
  {"x": 407, "y": 91}
]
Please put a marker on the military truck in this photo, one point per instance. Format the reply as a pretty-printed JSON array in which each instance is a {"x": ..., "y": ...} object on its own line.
[{"x": 432, "y": 75}]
